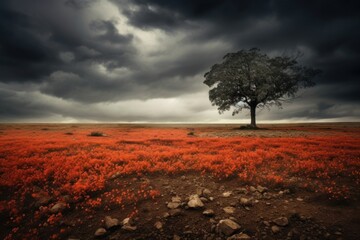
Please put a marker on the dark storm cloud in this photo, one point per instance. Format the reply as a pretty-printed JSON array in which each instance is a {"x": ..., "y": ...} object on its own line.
[
  {"x": 327, "y": 30},
  {"x": 14, "y": 106},
  {"x": 79, "y": 4},
  {"x": 219, "y": 12},
  {"x": 71, "y": 51},
  {"x": 110, "y": 33},
  {"x": 147, "y": 16},
  {"x": 33, "y": 35},
  {"x": 22, "y": 55}
]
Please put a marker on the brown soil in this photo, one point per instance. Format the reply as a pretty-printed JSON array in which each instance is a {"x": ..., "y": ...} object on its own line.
[{"x": 310, "y": 217}]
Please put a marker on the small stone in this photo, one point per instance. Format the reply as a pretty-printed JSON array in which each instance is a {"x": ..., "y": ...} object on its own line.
[
  {"x": 58, "y": 207},
  {"x": 266, "y": 223},
  {"x": 209, "y": 212},
  {"x": 183, "y": 177},
  {"x": 245, "y": 202},
  {"x": 176, "y": 199},
  {"x": 100, "y": 232},
  {"x": 299, "y": 199},
  {"x": 111, "y": 222},
  {"x": 252, "y": 189},
  {"x": 206, "y": 193},
  {"x": 176, "y": 237},
  {"x": 275, "y": 229},
  {"x": 128, "y": 228},
  {"x": 229, "y": 210},
  {"x": 166, "y": 215},
  {"x": 173, "y": 205},
  {"x": 211, "y": 198},
  {"x": 204, "y": 199},
  {"x": 261, "y": 189},
  {"x": 158, "y": 225},
  {"x": 174, "y": 212},
  {"x": 338, "y": 233},
  {"x": 227, "y": 194},
  {"x": 195, "y": 202},
  {"x": 227, "y": 227},
  {"x": 126, "y": 221},
  {"x": 281, "y": 221},
  {"x": 127, "y": 225},
  {"x": 233, "y": 204}
]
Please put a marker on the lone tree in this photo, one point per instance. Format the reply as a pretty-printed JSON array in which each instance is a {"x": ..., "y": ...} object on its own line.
[{"x": 250, "y": 79}]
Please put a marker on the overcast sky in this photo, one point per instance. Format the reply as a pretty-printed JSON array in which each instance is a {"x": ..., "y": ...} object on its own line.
[{"x": 119, "y": 60}]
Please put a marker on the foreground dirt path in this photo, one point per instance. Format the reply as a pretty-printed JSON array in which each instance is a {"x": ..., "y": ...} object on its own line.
[{"x": 256, "y": 209}]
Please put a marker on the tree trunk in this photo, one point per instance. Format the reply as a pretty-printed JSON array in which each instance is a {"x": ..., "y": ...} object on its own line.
[{"x": 253, "y": 115}]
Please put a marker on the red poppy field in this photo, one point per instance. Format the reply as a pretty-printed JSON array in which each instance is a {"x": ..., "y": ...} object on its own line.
[{"x": 61, "y": 181}]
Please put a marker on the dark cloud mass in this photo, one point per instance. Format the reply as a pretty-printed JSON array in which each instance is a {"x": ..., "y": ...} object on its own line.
[{"x": 122, "y": 60}]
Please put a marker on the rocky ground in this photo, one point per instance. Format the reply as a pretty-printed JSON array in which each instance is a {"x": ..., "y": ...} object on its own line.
[
  {"x": 201, "y": 207},
  {"x": 192, "y": 205}
]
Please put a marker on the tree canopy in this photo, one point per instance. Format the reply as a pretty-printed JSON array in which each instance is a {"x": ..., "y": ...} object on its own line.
[{"x": 251, "y": 79}]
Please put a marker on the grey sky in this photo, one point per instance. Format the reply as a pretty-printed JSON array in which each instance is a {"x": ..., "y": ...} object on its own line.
[{"x": 118, "y": 60}]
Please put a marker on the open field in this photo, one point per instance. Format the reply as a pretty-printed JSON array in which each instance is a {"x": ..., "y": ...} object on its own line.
[{"x": 60, "y": 181}]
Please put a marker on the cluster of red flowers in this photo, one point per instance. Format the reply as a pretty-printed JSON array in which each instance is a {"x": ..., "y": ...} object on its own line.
[{"x": 77, "y": 165}]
